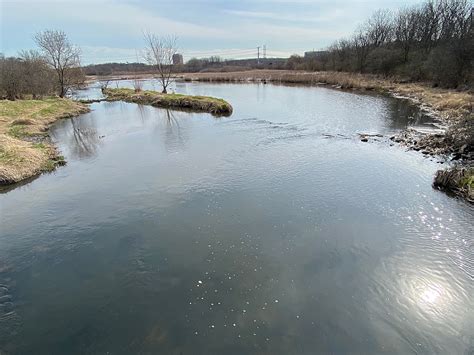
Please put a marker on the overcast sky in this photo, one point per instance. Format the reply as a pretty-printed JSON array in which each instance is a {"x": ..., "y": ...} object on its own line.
[{"x": 111, "y": 30}]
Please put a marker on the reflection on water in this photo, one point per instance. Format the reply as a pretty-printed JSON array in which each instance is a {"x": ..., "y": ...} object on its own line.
[
  {"x": 272, "y": 231},
  {"x": 85, "y": 138},
  {"x": 175, "y": 135}
]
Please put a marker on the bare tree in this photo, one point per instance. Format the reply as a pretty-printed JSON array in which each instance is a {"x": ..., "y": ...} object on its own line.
[
  {"x": 361, "y": 45},
  {"x": 104, "y": 84},
  {"x": 405, "y": 23},
  {"x": 62, "y": 56},
  {"x": 39, "y": 78},
  {"x": 137, "y": 84},
  {"x": 159, "y": 53},
  {"x": 11, "y": 78},
  {"x": 379, "y": 28}
]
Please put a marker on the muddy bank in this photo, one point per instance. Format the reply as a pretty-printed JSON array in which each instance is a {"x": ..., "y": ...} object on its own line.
[
  {"x": 214, "y": 106},
  {"x": 25, "y": 147}
]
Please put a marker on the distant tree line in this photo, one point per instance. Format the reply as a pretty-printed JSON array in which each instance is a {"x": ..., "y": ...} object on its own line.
[
  {"x": 116, "y": 68},
  {"x": 193, "y": 65},
  {"x": 432, "y": 41},
  {"x": 53, "y": 69}
]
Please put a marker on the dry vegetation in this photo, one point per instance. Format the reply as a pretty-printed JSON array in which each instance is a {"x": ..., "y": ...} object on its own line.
[
  {"x": 25, "y": 150},
  {"x": 217, "y": 107},
  {"x": 457, "y": 180}
]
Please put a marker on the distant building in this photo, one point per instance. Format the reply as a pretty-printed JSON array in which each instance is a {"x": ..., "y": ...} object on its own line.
[
  {"x": 314, "y": 54},
  {"x": 177, "y": 59}
]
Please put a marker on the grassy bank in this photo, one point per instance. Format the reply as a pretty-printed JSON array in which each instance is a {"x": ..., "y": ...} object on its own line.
[
  {"x": 217, "y": 107},
  {"x": 25, "y": 150}
]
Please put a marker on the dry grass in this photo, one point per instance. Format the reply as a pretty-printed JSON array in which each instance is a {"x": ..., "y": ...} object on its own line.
[
  {"x": 448, "y": 104},
  {"x": 24, "y": 148},
  {"x": 215, "y": 106}
]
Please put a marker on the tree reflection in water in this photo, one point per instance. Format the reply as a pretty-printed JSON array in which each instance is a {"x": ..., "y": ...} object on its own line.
[
  {"x": 173, "y": 132},
  {"x": 85, "y": 139}
]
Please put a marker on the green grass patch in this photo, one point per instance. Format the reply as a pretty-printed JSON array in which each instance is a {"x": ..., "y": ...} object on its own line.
[
  {"x": 53, "y": 163},
  {"x": 9, "y": 157},
  {"x": 18, "y": 131},
  {"x": 40, "y": 146}
]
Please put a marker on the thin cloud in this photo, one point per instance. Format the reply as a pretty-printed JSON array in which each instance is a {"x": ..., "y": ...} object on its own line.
[{"x": 326, "y": 17}]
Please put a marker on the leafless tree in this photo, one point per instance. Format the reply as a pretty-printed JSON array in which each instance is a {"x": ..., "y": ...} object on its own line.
[
  {"x": 406, "y": 23},
  {"x": 104, "y": 84},
  {"x": 137, "y": 84},
  {"x": 361, "y": 45},
  {"x": 159, "y": 53},
  {"x": 379, "y": 28},
  {"x": 61, "y": 55},
  {"x": 11, "y": 75},
  {"x": 38, "y": 76}
]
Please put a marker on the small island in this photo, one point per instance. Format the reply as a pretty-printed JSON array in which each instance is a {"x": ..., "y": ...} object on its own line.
[{"x": 214, "y": 106}]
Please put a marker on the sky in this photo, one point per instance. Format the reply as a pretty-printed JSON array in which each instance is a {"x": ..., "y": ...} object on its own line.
[{"x": 112, "y": 30}]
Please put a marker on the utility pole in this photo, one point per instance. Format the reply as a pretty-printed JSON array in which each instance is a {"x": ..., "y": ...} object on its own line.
[
  {"x": 264, "y": 51},
  {"x": 258, "y": 55}
]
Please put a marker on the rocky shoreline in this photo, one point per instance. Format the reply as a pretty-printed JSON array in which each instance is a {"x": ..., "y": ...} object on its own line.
[{"x": 455, "y": 146}]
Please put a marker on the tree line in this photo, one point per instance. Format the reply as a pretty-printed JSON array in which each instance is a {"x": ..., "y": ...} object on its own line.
[
  {"x": 431, "y": 41},
  {"x": 53, "y": 68}
]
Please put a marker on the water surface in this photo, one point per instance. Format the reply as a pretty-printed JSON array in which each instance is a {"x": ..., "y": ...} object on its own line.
[{"x": 273, "y": 231}]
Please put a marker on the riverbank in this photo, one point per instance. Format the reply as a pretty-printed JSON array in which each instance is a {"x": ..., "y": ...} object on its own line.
[
  {"x": 25, "y": 147},
  {"x": 447, "y": 104},
  {"x": 453, "y": 109},
  {"x": 214, "y": 106}
]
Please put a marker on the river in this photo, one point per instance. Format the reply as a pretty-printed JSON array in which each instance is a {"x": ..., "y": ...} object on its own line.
[{"x": 272, "y": 231}]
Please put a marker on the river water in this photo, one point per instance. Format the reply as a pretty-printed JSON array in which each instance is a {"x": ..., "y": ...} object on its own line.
[{"x": 272, "y": 231}]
